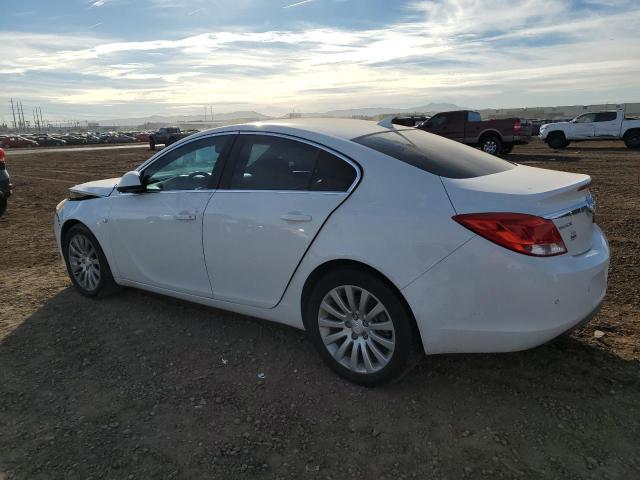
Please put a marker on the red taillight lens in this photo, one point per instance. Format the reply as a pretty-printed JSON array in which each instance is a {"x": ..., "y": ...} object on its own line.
[
  {"x": 519, "y": 232},
  {"x": 517, "y": 126}
]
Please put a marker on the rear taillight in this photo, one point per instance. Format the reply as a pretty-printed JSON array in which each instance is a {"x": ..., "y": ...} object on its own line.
[
  {"x": 519, "y": 232},
  {"x": 517, "y": 126}
]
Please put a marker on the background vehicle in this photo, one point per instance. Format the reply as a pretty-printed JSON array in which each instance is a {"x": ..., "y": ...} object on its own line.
[
  {"x": 409, "y": 120},
  {"x": 375, "y": 240},
  {"x": 492, "y": 136},
  {"x": 5, "y": 183},
  {"x": 119, "y": 138},
  {"x": 16, "y": 141},
  {"x": 73, "y": 139},
  {"x": 47, "y": 141},
  {"x": 166, "y": 136},
  {"x": 609, "y": 125}
]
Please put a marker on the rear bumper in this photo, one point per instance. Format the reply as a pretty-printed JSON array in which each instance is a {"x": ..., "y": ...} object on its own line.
[{"x": 484, "y": 298}]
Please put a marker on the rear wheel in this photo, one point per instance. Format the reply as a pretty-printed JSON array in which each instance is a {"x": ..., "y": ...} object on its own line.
[
  {"x": 152, "y": 143},
  {"x": 632, "y": 139},
  {"x": 491, "y": 145},
  {"x": 361, "y": 328},
  {"x": 506, "y": 148},
  {"x": 557, "y": 141},
  {"x": 86, "y": 264}
]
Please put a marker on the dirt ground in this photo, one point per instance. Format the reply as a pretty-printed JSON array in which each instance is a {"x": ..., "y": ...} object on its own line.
[{"x": 142, "y": 386}]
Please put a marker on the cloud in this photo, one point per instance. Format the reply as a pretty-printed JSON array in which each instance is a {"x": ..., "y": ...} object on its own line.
[
  {"x": 298, "y": 4},
  {"x": 482, "y": 52}
]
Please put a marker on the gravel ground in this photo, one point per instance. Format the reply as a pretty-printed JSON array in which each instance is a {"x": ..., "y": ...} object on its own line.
[{"x": 143, "y": 386}]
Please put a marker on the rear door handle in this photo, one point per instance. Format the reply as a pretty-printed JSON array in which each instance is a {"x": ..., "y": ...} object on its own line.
[
  {"x": 296, "y": 217},
  {"x": 185, "y": 216}
]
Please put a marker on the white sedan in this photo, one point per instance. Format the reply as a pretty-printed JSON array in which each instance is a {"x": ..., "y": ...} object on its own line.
[{"x": 382, "y": 242}]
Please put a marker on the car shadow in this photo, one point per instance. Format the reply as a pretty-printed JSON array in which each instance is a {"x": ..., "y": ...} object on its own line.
[{"x": 143, "y": 385}]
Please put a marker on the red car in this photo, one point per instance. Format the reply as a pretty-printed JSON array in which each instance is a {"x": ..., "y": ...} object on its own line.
[
  {"x": 16, "y": 141},
  {"x": 142, "y": 137}
]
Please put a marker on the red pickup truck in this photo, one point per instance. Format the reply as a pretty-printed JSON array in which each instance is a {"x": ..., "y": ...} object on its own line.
[{"x": 492, "y": 136}]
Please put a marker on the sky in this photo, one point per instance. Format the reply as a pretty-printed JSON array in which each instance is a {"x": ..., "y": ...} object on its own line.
[{"x": 101, "y": 59}]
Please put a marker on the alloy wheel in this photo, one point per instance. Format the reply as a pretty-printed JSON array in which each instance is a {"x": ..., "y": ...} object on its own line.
[
  {"x": 84, "y": 262},
  {"x": 356, "y": 329},
  {"x": 490, "y": 146}
]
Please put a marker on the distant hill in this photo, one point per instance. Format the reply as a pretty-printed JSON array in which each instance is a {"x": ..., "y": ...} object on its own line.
[
  {"x": 372, "y": 111},
  {"x": 250, "y": 115},
  {"x": 178, "y": 119}
]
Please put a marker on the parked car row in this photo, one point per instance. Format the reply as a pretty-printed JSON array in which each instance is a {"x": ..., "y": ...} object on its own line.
[{"x": 28, "y": 140}]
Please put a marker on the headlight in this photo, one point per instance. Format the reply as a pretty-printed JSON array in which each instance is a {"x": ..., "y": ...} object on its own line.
[{"x": 60, "y": 205}]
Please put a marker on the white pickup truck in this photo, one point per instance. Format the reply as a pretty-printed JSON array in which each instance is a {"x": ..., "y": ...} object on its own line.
[{"x": 610, "y": 125}]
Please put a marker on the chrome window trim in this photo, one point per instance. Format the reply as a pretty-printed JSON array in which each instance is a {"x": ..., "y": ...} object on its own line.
[{"x": 329, "y": 150}]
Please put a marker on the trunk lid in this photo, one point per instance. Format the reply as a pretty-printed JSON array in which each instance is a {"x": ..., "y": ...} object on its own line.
[
  {"x": 560, "y": 196},
  {"x": 98, "y": 188}
]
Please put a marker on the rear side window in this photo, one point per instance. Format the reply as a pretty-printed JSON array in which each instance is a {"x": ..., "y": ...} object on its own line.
[
  {"x": 267, "y": 162},
  {"x": 434, "y": 154},
  {"x": 474, "y": 117},
  {"x": 332, "y": 174},
  {"x": 605, "y": 116}
]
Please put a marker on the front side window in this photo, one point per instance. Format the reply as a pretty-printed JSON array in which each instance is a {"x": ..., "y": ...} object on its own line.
[
  {"x": 434, "y": 154},
  {"x": 606, "y": 116},
  {"x": 191, "y": 167},
  {"x": 439, "y": 121},
  {"x": 586, "y": 118}
]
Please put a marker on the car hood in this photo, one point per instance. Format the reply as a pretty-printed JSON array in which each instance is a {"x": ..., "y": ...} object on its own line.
[
  {"x": 98, "y": 188},
  {"x": 554, "y": 124}
]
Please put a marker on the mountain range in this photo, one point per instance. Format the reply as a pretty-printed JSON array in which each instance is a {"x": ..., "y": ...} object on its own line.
[{"x": 252, "y": 115}]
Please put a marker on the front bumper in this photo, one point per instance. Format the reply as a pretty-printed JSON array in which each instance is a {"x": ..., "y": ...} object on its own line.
[{"x": 485, "y": 298}]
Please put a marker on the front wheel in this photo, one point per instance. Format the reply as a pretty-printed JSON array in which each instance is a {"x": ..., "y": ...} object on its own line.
[
  {"x": 361, "y": 328},
  {"x": 86, "y": 264},
  {"x": 632, "y": 139},
  {"x": 557, "y": 141},
  {"x": 491, "y": 145}
]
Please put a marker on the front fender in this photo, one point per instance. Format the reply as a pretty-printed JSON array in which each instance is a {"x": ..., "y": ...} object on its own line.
[{"x": 94, "y": 214}]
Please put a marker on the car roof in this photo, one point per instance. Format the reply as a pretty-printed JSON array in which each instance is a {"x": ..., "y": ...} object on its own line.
[{"x": 342, "y": 128}]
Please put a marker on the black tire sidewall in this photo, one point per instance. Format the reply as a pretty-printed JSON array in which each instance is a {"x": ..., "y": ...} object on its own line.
[
  {"x": 406, "y": 335},
  {"x": 632, "y": 140},
  {"x": 557, "y": 141},
  {"x": 106, "y": 279}
]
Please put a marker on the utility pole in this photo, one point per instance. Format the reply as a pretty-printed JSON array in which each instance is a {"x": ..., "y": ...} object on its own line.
[{"x": 14, "y": 114}]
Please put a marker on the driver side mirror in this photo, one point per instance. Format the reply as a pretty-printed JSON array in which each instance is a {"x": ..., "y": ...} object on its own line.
[{"x": 131, "y": 183}]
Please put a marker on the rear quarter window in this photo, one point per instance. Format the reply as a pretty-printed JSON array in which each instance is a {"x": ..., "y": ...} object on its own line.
[{"x": 434, "y": 154}]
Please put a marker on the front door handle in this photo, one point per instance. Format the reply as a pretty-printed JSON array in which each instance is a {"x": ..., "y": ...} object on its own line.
[
  {"x": 296, "y": 217},
  {"x": 185, "y": 216}
]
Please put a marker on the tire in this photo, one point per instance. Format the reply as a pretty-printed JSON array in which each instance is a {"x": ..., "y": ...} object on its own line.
[
  {"x": 557, "y": 141},
  {"x": 152, "y": 144},
  {"x": 632, "y": 139},
  {"x": 3, "y": 204},
  {"x": 506, "y": 148},
  {"x": 491, "y": 144},
  {"x": 79, "y": 245},
  {"x": 335, "y": 338}
]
